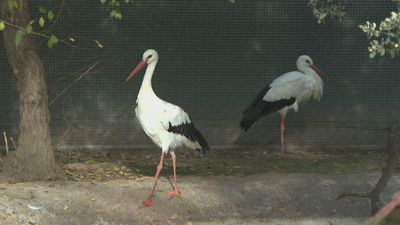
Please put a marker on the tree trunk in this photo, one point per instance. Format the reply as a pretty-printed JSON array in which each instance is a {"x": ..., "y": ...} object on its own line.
[{"x": 34, "y": 158}]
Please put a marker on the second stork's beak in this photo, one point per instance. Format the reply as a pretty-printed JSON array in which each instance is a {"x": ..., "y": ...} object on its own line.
[{"x": 317, "y": 70}]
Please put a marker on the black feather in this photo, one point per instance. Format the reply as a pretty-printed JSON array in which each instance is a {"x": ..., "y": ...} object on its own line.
[
  {"x": 190, "y": 132},
  {"x": 259, "y": 107}
]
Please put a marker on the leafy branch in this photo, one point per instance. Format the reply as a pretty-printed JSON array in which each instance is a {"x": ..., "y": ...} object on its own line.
[
  {"x": 384, "y": 38},
  {"x": 52, "y": 39},
  {"x": 45, "y": 17},
  {"x": 115, "y": 7},
  {"x": 332, "y": 9}
]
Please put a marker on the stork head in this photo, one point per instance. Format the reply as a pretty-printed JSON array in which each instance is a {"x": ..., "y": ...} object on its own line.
[
  {"x": 305, "y": 63},
  {"x": 149, "y": 56}
]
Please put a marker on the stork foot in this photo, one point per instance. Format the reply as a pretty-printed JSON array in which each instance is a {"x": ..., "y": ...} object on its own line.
[
  {"x": 147, "y": 203},
  {"x": 174, "y": 193}
]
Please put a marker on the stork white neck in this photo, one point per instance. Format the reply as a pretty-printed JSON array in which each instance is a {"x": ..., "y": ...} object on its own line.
[{"x": 146, "y": 83}]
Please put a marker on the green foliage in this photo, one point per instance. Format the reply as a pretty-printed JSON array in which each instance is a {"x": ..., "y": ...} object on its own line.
[
  {"x": 46, "y": 14},
  {"x": 12, "y": 4},
  {"x": 116, "y": 14},
  {"x": 385, "y": 38},
  {"x": 52, "y": 41},
  {"x": 2, "y": 25},
  {"x": 41, "y": 21},
  {"x": 50, "y": 15},
  {"x": 115, "y": 7},
  {"x": 332, "y": 9},
  {"x": 18, "y": 37},
  {"x": 29, "y": 27},
  {"x": 99, "y": 45},
  {"x": 42, "y": 9}
]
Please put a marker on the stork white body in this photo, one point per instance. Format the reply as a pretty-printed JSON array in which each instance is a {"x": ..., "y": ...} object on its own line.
[
  {"x": 168, "y": 126},
  {"x": 156, "y": 116},
  {"x": 284, "y": 93}
]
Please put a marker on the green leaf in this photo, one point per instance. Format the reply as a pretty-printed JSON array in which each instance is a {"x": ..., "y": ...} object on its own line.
[
  {"x": 41, "y": 21},
  {"x": 116, "y": 14},
  {"x": 126, "y": 1},
  {"x": 112, "y": 13},
  {"x": 2, "y": 25},
  {"x": 50, "y": 15},
  {"x": 18, "y": 37},
  {"x": 103, "y": 1},
  {"x": 98, "y": 44},
  {"x": 28, "y": 29},
  {"x": 52, "y": 41},
  {"x": 12, "y": 4},
  {"x": 42, "y": 9}
]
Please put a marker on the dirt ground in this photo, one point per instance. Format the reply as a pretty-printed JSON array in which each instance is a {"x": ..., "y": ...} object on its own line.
[{"x": 229, "y": 186}]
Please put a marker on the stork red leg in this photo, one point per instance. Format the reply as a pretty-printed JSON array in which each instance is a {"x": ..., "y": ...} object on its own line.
[
  {"x": 176, "y": 191},
  {"x": 282, "y": 129},
  {"x": 148, "y": 201}
]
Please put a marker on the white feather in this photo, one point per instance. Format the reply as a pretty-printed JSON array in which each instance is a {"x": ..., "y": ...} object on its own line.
[
  {"x": 302, "y": 85},
  {"x": 155, "y": 116}
]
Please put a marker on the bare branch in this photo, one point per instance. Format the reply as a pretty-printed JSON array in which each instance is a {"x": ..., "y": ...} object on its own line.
[
  {"x": 67, "y": 130},
  {"x": 353, "y": 194},
  {"x": 58, "y": 16},
  {"x": 74, "y": 82},
  {"x": 387, "y": 173}
]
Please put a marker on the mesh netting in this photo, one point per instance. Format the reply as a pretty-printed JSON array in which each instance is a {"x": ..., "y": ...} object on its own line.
[{"x": 214, "y": 58}]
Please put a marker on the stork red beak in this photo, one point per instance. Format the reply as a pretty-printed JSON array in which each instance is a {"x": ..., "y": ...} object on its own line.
[
  {"x": 318, "y": 71},
  {"x": 137, "y": 69}
]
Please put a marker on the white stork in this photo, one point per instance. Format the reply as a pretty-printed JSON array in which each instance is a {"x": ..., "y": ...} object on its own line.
[
  {"x": 168, "y": 126},
  {"x": 284, "y": 93}
]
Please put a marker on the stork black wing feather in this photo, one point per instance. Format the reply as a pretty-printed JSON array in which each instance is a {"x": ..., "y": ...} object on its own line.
[
  {"x": 190, "y": 132},
  {"x": 259, "y": 107}
]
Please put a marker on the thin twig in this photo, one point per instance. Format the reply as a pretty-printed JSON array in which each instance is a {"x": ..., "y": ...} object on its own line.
[
  {"x": 5, "y": 141},
  {"x": 74, "y": 82},
  {"x": 353, "y": 194},
  {"x": 67, "y": 130},
  {"x": 13, "y": 143},
  {"x": 58, "y": 16},
  {"x": 33, "y": 32}
]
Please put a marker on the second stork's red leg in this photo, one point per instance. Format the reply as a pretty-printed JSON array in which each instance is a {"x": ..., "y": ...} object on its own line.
[
  {"x": 176, "y": 191},
  {"x": 148, "y": 201},
  {"x": 282, "y": 129}
]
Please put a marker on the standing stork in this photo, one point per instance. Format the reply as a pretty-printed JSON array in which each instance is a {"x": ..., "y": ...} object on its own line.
[
  {"x": 168, "y": 126},
  {"x": 284, "y": 93}
]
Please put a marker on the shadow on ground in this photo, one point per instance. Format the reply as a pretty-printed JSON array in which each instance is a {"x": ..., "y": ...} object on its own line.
[{"x": 230, "y": 186}]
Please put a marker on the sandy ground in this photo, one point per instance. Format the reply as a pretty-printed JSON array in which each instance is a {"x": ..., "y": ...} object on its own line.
[
  {"x": 230, "y": 186},
  {"x": 266, "y": 198}
]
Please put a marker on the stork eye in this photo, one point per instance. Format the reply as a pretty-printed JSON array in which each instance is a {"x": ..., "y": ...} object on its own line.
[
  {"x": 308, "y": 61},
  {"x": 148, "y": 57}
]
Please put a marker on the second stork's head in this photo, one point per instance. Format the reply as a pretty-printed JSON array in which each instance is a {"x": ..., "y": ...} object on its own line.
[{"x": 305, "y": 63}]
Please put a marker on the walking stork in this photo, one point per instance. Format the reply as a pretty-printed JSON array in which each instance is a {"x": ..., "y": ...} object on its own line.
[{"x": 168, "y": 126}]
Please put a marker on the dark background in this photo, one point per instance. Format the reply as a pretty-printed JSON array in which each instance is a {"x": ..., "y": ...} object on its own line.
[{"x": 214, "y": 58}]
